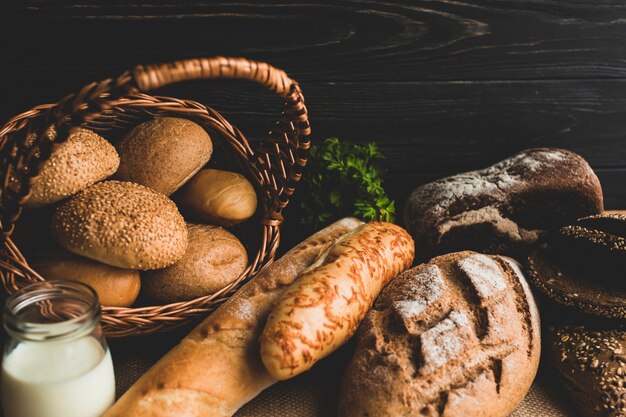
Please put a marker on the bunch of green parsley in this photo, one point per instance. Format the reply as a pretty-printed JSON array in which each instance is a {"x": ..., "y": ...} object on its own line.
[{"x": 343, "y": 179}]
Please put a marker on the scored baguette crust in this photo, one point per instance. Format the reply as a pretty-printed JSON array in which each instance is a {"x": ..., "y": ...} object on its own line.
[
  {"x": 217, "y": 367},
  {"x": 324, "y": 307},
  {"x": 457, "y": 337}
]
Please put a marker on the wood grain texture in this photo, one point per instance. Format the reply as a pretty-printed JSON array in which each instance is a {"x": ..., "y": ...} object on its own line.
[{"x": 444, "y": 86}]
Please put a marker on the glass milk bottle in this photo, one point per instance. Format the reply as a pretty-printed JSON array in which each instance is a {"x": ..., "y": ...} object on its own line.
[{"x": 56, "y": 361}]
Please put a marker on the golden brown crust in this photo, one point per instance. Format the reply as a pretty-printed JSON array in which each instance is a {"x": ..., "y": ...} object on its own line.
[
  {"x": 217, "y": 367},
  {"x": 444, "y": 339},
  {"x": 218, "y": 197},
  {"x": 214, "y": 258},
  {"x": 323, "y": 308},
  {"x": 116, "y": 287},
  {"x": 121, "y": 224},
  {"x": 163, "y": 153},
  {"x": 82, "y": 160}
]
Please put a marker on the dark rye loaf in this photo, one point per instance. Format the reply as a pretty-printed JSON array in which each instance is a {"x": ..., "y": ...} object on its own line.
[
  {"x": 504, "y": 208},
  {"x": 457, "y": 337}
]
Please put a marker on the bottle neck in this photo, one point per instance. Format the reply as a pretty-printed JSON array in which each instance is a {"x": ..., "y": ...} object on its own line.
[{"x": 52, "y": 310}]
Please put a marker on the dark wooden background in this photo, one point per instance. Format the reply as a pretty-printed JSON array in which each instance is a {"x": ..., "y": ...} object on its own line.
[{"x": 443, "y": 86}]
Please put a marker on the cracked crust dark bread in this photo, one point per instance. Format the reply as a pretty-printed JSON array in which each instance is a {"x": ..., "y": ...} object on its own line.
[
  {"x": 583, "y": 266},
  {"x": 456, "y": 337},
  {"x": 591, "y": 363},
  {"x": 503, "y": 208}
]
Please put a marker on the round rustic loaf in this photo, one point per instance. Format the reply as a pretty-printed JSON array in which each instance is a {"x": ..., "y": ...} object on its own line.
[
  {"x": 214, "y": 258},
  {"x": 115, "y": 287},
  {"x": 505, "y": 208},
  {"x": 458, "y": 336},
  {"x": 218, "y": 197},
  {"x": 82, "y": 160},
  {"x": 163, "y": 153},
  {"x": 121, "y": 224}
]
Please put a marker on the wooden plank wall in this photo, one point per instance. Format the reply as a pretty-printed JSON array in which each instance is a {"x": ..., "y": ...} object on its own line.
[{"x": 444, "y": 86}]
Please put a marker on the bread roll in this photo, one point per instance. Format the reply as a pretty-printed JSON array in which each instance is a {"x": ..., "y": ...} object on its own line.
[
  {"x": 214, "y": 258},
  {"x": 163, "y": 153},
  {"x": 116, "y": 287},
  {"x": 505, "y": 208},
  {"x": 458, "y": 336},
  {"x": 217, "y": 367},
  {"x": 218, "y": 197},
  {"x": 323, "y": 308},
  {"x": 121, "y": 224},
  {"x": 82, "y": 160}
]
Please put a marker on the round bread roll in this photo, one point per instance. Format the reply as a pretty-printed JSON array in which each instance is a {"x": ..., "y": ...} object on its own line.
[
  {"x": 218, "y": 197},
  {"x": 115, "y": 287},
  {"x": 121, "y": 224},
  {"x": 163, "y": 153},
  {"x": 214, "y": 258},
  {"x": 82, "y": 160}
]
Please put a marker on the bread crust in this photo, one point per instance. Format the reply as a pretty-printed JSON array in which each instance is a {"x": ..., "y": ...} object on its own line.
[
  {"x": 456, "y": 337},
  {"x": 324, "y": 307},
  {"x": 217, "y": 367}
]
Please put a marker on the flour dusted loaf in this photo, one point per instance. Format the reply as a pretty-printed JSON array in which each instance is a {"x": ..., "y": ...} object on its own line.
[
  {"x": 217, "y": 368},
  {"x": 504, "y": 208},
  {"x": 456, "y": 337},
  {"x": 163, "y": 153},
  {"x": 121, "y": 224},
  {"x": 82, "y": 160}
]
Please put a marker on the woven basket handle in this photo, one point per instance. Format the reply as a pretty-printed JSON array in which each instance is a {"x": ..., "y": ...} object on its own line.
[{"x": 150, "y": 77}]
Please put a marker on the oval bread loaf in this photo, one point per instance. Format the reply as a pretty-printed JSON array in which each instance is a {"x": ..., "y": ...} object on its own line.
[
  {"x": 218, "y": 197},
  {"x": 458, "y": 336},
  {"x": 121, "y": 224},
  {"x": 323, "y": 308},
  {"x": 82, "y": 160},
  {"x": 163, "y": 153},
  {"x": 115, "y": 287},
  {"x": 214, "y": 258},
  {"x": 505, "y": 208}
]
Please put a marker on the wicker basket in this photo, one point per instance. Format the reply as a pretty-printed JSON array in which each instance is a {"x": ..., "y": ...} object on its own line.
[{"x": 113, "y": 106}]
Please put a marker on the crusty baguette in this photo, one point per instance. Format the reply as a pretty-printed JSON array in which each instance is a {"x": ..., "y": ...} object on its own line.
[
  {"x": 323, "y": 308},
  {"x": 217, "y": 367}
]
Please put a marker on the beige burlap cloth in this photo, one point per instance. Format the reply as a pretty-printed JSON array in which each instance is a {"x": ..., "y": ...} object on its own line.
[{"x": 313, "y": 394}]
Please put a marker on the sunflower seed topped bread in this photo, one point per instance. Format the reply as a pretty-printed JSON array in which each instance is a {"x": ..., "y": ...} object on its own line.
[
  {"x": 121, "y": 224},
  {"x": 82, "y": 160},
  {"x": 163, "y": 153},
  {"x": 503, "y": 208},
  {"x": 591, "y": 363},
  {"x": 584, "y": 266},
  {"x": 323, "y": 308},
  {"x": 217, "y": 368},
  {"x": 456, "y": 337}
]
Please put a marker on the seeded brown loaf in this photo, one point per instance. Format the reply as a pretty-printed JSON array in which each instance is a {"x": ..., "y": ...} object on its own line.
[
  {"x": 163, "y": 153},
  {"x": 324, "y": 307},
  {"x": 456, "y": 337},
  {"x": 217, "y": 368},
  {"x": 591, "y": 363},
  {"x": 116, "y": 287},
  {"x": 503, "y": 208},
  {"x": 82, "y": 160},
  {"x": 121, "y": 224},
  {"x": 214, "y": 258}
]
